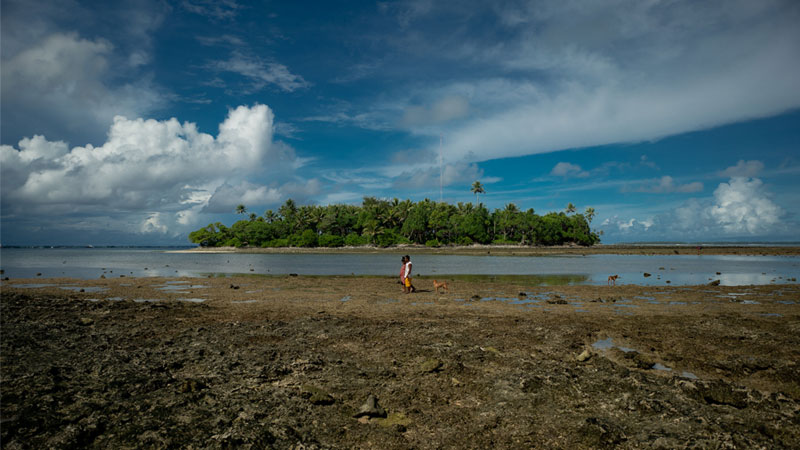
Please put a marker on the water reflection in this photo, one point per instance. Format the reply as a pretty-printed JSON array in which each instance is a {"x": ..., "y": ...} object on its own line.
[{"x": 540, "y": 271}]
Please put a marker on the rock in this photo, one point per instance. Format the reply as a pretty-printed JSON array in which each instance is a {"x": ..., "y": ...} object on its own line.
[
  {"x": 647, "y": 275},
  {"x": 370, "y": 408},
  {"x": 398, "y": 421},
  {"x": 430, "y": 365},
  {"x": 85, "y": 321},
  {"x": 559, "y": 301},
  {"x": 722, "y": 393},
  {"x": 714, "y": 283},
  {"x": 598, "y": 433},
  {"x": 585, "y": 355},
  {"x": 639, "y": 360},
  {"x": 316, "y": 395},
  {"x": 475, "y": 298},
  {"x": 190, "y": 385}
]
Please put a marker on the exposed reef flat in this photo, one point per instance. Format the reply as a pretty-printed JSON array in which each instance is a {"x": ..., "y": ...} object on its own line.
[{"x": 330, "y": 362}]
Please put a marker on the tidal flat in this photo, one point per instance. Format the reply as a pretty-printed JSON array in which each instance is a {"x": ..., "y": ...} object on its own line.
[{"x": 351, "y": 361}]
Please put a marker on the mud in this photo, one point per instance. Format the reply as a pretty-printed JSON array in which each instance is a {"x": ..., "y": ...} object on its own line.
[{"x": 332, "y": 362}]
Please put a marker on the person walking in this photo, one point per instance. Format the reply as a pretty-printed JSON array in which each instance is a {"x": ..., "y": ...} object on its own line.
[{"x": 408, "y": 286}]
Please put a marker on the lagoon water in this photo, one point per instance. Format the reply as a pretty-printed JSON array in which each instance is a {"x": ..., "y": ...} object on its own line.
[{"x": 88, "y": 263}]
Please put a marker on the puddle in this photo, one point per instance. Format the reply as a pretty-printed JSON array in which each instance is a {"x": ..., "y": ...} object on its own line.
[
  {"x": 623, "y": 305},
  {"x": 30, "y": 286},
  {"x": 750, "y": 302},
  {"x": 115, "y": 299},
  {"x": 345, "y": 298},
  {"x": 676, "y": 303},
  {"x": 525, "y": 301},
  {"x": 644, "y": 297},
  {"x": 582, "y": 310},
  {"x": 175, "y": 287},
  {"x": 192, "y": 300},
  {"x": 145, "y": 300},
  {"x": 499, "y": 299},
  {"x": 608, "y": 343},
  {"x": 771, "y": 315},
  {"x": 786, "y": 302},
  {"x": 93, "y": 289},
  {"x": 244, "y": 301}
]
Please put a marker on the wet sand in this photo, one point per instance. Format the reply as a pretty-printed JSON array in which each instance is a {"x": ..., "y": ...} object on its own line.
[{"x": 288, "y": 362}]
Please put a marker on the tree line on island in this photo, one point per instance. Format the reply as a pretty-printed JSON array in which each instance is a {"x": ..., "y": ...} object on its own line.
[{"x": 386, "y": 223}]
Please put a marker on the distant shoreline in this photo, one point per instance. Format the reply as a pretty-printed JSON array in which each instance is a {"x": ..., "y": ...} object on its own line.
[{"x": 615, "y": 249}]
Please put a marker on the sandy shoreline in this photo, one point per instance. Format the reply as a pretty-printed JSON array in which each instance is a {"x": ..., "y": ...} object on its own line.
[
  {"x": 277, "y": 362},
  {"x": 525, "y": 251}
]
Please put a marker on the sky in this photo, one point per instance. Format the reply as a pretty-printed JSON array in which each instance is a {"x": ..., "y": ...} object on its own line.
[{"x": 136, "y": 122}]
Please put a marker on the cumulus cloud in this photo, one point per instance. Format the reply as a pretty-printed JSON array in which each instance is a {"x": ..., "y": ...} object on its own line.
[
  {"x": 742, "y": 206},
  {"x": 565, "y": 169},
  {"x": 744, "y": 169},
  {"x": 165, "y": 167}
]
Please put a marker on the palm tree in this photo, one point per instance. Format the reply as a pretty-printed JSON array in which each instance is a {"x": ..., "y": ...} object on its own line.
[
  {"x": 589, "y": 214},
  {"x": 570, "y": 208},
  {"x": 240, "y": 209},
  {"x": 253, "y": 217},
  {"x": 477, "y": 188}
]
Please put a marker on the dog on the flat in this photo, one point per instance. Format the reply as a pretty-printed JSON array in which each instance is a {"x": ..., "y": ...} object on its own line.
[
  {"x": 612, "y": 280},
  {"x": 441, "y": 284}
]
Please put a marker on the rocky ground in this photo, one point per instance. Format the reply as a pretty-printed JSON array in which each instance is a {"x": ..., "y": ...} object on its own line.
[{"x": 330, "y": 362}]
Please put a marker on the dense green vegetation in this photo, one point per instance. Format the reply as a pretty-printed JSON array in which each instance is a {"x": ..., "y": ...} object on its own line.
[{"x": 391, "y": 222}]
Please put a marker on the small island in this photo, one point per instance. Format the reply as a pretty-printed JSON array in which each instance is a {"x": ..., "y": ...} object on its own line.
[{"x": 387, "y": 223}]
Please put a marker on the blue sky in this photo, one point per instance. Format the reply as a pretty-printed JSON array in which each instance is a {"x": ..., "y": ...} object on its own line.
[{"x": 136, "y": 122}]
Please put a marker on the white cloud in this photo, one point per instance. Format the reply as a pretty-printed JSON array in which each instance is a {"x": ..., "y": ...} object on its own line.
[
  {"x": 430, "y": 176},
  {"x": 444, "y": 110},
  {"x": 153, "y": 224},
  {"x": 565, "y": 169},
  {"x": 744, "y": 169},
  {"x": 62, "y": 85},
  {"x": 164, "y": 167},
  {"x": 742, "y": 206},
  {"x": 260, "y": 73},
  {"x": 667, "y": 185},
  {"x": 579, "y": 75}
]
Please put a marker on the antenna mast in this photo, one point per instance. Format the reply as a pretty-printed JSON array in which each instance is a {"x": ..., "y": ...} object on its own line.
[{"x": 441, "y": 169}]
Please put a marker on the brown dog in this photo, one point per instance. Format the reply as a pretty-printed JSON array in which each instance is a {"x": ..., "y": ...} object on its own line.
[
  {"x": 440, "y": 284},
  {"x": 612, "y": 280}
]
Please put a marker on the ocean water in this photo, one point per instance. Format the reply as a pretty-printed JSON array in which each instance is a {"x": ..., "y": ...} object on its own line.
[{"x": 89, "y": 263}]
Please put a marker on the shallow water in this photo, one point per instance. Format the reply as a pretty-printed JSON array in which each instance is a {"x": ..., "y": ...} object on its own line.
[{"x": 91, "y": 263}]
